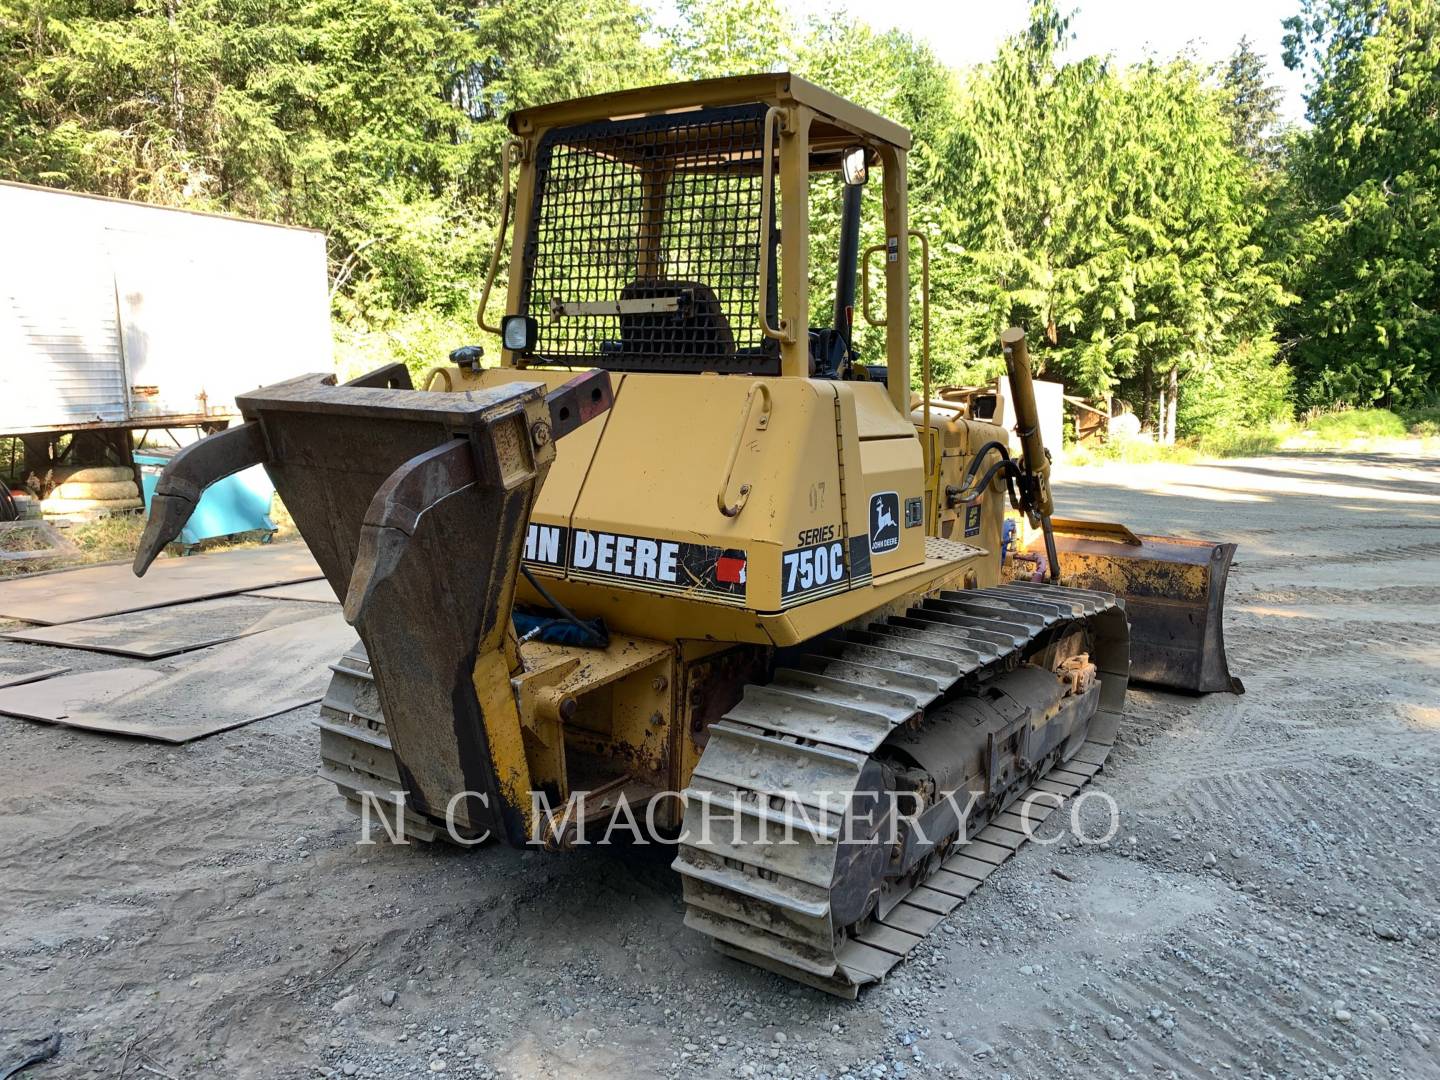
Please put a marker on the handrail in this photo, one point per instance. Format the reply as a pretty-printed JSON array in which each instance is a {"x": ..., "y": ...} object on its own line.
[
  {"x": 925, "y": 338},
  {"x": 865, "y": 286},
  {"x": 731, "y": 510},
  {"x": 505, "y": 155},
  {"x": 773, "y": 117}
]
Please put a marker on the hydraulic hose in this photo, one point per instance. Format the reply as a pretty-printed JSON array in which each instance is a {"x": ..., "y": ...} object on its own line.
[
  {"x": 565, "y": 613},
  {"x": 1011, "y": 470},
  {"x": 993, "y": 444}
]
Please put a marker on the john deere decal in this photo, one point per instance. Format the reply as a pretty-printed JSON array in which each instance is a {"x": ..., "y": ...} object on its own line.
[
  {"x": 639, "y": 562},
  {"x": 884, "y": 522}
]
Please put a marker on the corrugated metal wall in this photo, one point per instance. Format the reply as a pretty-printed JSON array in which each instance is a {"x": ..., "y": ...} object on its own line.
[
  {"x": 60, "y": 354},
  {"x": 116, "y": 312}
]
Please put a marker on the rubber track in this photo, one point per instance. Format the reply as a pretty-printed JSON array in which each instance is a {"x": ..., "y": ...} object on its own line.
[{"x": 768, "y": 903}]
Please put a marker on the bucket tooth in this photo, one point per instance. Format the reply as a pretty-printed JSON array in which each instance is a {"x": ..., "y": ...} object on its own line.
[{"x": 412, "y": 490}]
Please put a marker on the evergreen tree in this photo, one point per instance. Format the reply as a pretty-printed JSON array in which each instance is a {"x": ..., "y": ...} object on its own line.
[
  {"x": 1131, "y": 218},
  {"x": 1364, "y": 202},
  {"x": 711, "y": 38},
  {"x": 1253, "y": 104},
  {"x": 1108, "y": 212}
]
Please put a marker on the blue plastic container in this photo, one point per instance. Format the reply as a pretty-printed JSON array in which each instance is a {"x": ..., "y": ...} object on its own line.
[{"x": 237, "y": 504}]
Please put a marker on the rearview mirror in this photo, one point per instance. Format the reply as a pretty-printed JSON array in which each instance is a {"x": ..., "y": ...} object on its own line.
[{"x": 853, "y": 166}]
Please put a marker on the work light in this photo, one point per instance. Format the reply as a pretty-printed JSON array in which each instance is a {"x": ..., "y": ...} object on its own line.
[{"x": 519, "y": 332}]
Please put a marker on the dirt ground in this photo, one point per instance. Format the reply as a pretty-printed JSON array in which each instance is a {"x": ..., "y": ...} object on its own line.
[{"x": 1267, "y": 908}]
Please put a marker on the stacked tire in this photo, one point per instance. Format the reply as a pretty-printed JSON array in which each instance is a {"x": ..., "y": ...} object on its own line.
[{"x": 93, "y": 490}]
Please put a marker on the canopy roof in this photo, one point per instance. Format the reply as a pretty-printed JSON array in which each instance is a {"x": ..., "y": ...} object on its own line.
[{"x": 838, "y": 121}]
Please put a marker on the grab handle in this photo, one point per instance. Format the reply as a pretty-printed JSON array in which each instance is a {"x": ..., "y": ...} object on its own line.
[
  {"x": 762, "y": 422},
  {"x": 774, "y": 118},
  {"x": 873, "y": 249},
  {"x": 513, "y": 149}
]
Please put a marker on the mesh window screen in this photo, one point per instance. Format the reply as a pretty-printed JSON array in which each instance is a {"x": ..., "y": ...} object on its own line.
[{"x": 644, "y": 244}]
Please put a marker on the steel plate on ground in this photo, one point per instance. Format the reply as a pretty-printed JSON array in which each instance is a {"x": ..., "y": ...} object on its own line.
[
  {"x": 159, "y": 632},
  {"x": 89, "y": 592},
  {"x": 310, "y": 592},
  {"x": 17, "y": 672},
  {"x": 195, "y": 695}
]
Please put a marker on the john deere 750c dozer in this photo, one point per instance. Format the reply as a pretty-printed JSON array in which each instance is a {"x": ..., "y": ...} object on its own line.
[{"x": 683, "y": 540}]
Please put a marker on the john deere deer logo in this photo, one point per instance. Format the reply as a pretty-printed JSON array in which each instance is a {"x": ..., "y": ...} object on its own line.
[{"x": 884, "y": 522}]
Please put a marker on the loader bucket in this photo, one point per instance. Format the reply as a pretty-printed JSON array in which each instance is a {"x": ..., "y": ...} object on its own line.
[
  {"x": 415, "y": 505},
  {"x": 1174, "y": 591}
]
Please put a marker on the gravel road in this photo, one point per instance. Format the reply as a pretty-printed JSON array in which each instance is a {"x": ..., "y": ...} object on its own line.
[{"x": 1266, "y": 908}]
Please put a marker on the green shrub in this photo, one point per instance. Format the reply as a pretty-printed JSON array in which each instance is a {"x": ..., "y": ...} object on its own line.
[
  {"x": 1249, "y": 389},
  {"x": 1351, "y": 424},
  {"x": 1423, "y": 421},
  {"x": 1127, "y": 451},
  {"x": 1239, "y": 442},
  {"x": 420, "y": 339},
  {"x": 1232, "y": 442}
]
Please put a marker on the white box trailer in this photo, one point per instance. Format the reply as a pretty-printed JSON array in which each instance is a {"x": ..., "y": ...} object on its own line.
[{"x": 116, "y": 315}]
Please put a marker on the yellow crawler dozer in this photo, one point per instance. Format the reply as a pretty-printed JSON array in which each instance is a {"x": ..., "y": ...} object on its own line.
[{"x": 684, "y": 560}]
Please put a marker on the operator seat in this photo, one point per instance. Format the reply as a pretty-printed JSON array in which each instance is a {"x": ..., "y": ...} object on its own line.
[{"x": 699, "y": 328}]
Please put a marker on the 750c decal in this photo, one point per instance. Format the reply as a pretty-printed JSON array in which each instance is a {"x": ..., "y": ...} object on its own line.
[{"x": 809, "y": 573}]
